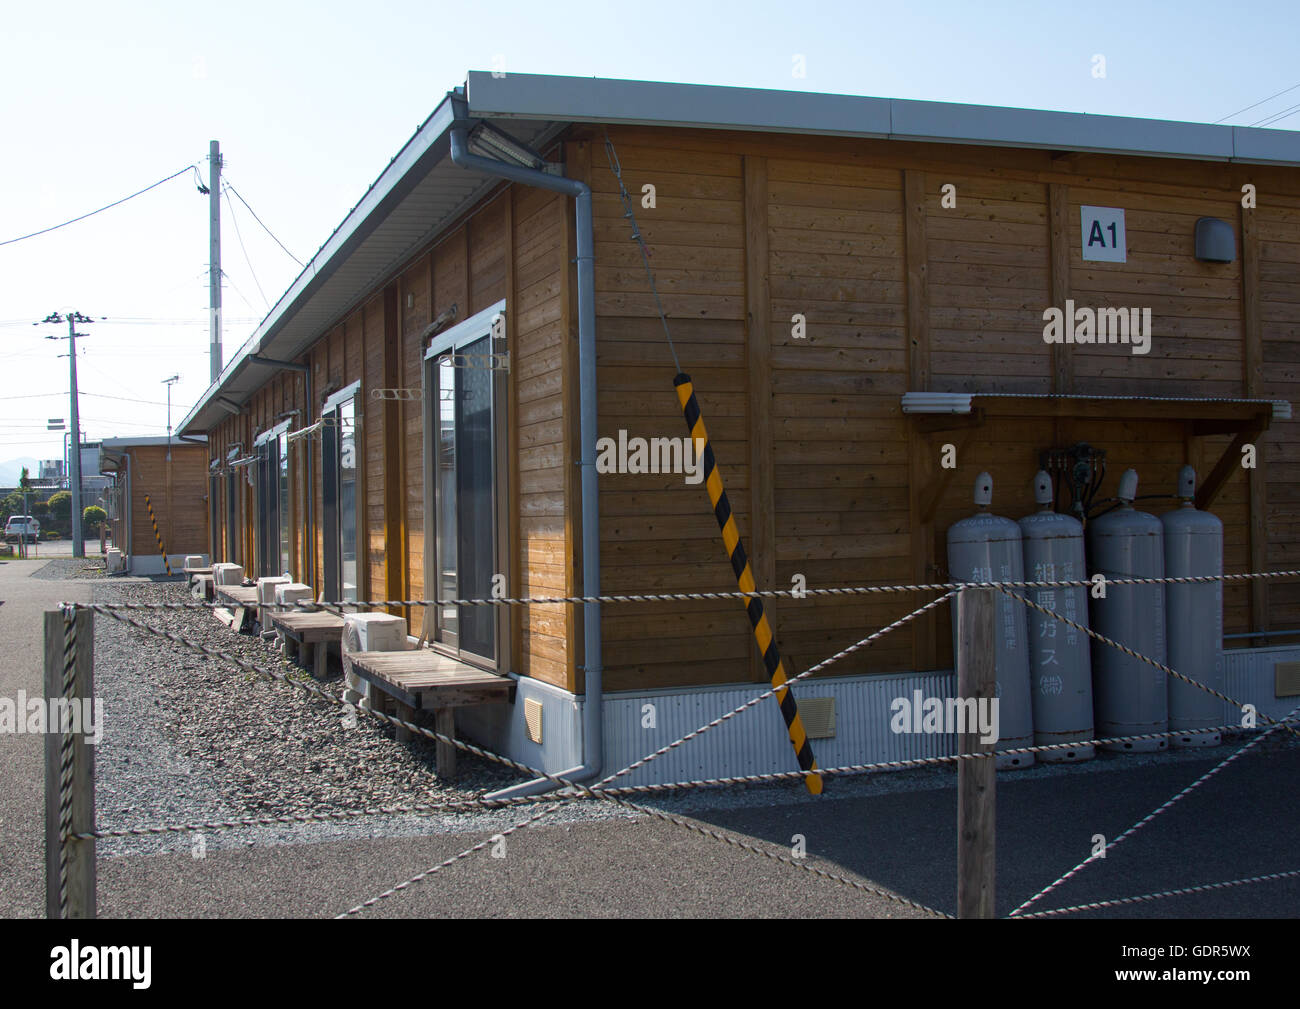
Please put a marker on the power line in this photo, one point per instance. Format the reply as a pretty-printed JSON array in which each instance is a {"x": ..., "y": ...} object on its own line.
[
  {"x": 109, "y": 206},
  {"x": 235, "y": 221},
  {"x": 264, "y": 227},
  {"x": 93, "y": 395},
  {"x": 1286, "y": 113},
  {"x": 1258, "y": 103}
]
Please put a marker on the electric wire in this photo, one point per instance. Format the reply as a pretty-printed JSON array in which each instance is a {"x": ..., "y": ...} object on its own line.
[
  {"x": 232, "y": 189},
  {"x": 1257, "y": 104},
  {"x": 1286, "y": 113},
  {"x": 235, "y": 221},
  {"x": 45, "y": 231}
]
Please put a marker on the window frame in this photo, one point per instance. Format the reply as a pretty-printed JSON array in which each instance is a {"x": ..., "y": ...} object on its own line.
[
  {"x": 266, "y": 494},
  {"x": 331, "y": 491},
  {"x": 475, "y": 328}
]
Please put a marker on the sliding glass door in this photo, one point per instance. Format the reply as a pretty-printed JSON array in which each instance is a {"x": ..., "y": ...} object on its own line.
[
  {"x": 339, "y": 473},
  {"x": 464, "y": 383}
]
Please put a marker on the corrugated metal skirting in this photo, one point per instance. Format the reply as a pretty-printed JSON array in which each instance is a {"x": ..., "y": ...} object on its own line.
[{"x": 755, "y": 741}]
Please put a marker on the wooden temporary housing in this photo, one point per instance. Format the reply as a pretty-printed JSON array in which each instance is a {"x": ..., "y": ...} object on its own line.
[
  {"x": 408, "y": 420},
  {"x": 173, "y": 475}
]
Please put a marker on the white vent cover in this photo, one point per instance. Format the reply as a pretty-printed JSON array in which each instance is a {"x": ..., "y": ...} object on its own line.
[
  {"x": 533, "y": 719},
  {"x": 818, "y": 716}
]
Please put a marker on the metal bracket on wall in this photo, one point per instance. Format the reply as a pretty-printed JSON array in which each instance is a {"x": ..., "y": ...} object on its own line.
[{"x": 402, "y": 394}]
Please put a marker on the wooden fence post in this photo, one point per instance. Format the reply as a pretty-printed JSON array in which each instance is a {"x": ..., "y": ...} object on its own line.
[
  {"x": 976, "y": 779},
  {"x": 70, "y": 873}
]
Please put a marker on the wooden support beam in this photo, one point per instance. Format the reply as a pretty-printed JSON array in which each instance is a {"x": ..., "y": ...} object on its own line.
[
  {"x": 758, "y": 355},
  {"x": 1253, "y": 381},
  {"x": 921, "y": 467},
  {"x": 976, "y": 779},
  {"x": 916, "y": 254},
  {"x": 931, "y": 494},
  {"x": 513, "y": 546},
  {"x": 918, "y": 285},
  {"x": 80, "y": 875},
  {"x": 444, "y": 723},
  {"x": 395, "y": 552},
  {"x": 1223, "y": 469},
  {"x": 1058, "y": 203}
]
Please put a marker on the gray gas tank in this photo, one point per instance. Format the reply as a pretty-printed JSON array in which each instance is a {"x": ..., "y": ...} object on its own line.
[
  {"x": 1194, "y": 617},
  {"x": 1130, "y": 697},
  {"x": 1060, "y": 665},
  {"x": 985, "y": 548}
]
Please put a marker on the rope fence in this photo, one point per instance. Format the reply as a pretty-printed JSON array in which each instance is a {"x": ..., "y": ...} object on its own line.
[
  {"x": 689, "y": 597},
  {"x": 619, "y": 795}
]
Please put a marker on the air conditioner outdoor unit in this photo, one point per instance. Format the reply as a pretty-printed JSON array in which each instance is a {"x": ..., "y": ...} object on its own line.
[{"x": 368, "y": 632}]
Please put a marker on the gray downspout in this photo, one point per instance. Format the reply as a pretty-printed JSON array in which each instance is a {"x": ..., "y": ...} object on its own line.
[{"x": 592, "y": 709}]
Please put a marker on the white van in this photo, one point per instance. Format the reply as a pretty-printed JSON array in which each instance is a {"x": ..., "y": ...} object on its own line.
[{"x": 21, "y": 526}]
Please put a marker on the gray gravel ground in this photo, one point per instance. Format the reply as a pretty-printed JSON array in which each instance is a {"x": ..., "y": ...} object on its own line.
[
  {"x": 63, "y": 568},
  {"x": 190, "y": 738}
]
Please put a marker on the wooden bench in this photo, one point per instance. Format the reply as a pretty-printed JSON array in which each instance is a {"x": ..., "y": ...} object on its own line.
[
  {"x": 309, "y": 634},
  {"x": 240, "y": 609},
  {"x": 422, "y": 679}
]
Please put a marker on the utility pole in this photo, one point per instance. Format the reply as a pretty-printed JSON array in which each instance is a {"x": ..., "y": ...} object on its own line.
[
  {"x": 74, "y": 452},
  {"x": 214, "y": 254},
  {"x": 169, "y": 382}
]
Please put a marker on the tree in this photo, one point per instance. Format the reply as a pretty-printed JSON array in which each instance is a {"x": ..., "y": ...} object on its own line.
[
  {"x": 60, "y": 506},
  {"x": 40, "y": 510},
  {"x": 92, "y": 518},
  {"x": 12, "y": 503}
]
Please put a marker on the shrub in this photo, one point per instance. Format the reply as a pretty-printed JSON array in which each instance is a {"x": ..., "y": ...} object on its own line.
[
  {"x": 92, "y": 517},
  {"x": 60, "y": 506}
]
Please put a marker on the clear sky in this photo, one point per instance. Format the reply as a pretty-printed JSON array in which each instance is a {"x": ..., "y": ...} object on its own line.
[{"x": 310, "y": 101}]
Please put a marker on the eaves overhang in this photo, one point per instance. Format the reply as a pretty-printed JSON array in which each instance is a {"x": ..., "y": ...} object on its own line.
[{"x": 421, "y": 194}]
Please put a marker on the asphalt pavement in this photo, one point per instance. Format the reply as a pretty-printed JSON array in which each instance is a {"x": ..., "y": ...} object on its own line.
[{"x": 22, "y": 767}]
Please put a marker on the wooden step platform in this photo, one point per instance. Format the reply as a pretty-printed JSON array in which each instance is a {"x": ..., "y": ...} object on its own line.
[
  {"x": 310, "y": 635},
  {"x": 423, "y": 679},
  {"x": 239, "y": 608}
]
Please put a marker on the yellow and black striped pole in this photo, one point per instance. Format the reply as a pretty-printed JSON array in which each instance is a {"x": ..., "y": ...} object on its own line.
[
  {"x": 157, "y": 535},
  {"x": 745, "y": 579}
]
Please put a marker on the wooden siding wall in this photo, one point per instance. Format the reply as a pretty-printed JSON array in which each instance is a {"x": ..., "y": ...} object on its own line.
[
  {"x": 178, "y": 491},
  {"x": 826, "y": 477},
  {"x": 510, "y": 248},
  {"x": 823, "y": 471},
  {"x": 1272, "y": 239}
]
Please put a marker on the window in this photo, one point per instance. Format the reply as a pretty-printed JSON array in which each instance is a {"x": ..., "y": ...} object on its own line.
[
  {"x": 339, "y": 439},
  {"x": 271, "y": 489},
  {"x": 214, "y": 516},
  {"x": 232, "y": 512},
  {"x": 282, "y": 505},
  {"x": 465, "y": 386}
]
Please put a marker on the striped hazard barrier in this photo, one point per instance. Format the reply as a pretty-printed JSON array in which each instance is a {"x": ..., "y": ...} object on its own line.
[
  {"x": 157, "y": 535},
  {"x": 745, "y": 579}
]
